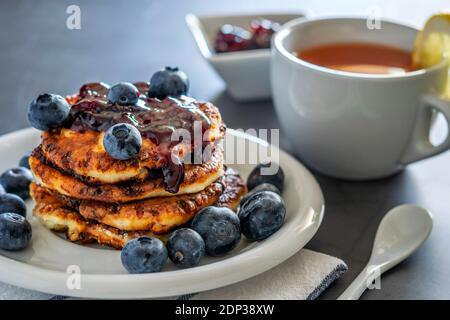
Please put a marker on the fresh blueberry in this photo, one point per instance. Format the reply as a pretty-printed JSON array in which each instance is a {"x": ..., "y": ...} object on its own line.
[
  {"x": 15, "y": 231},
  {"x": 11, "y": 203},
  {"x": 262, "y": 215},
  {"x": 17, "y": 181},
  {"x": 122, "y": 141},
  {"x": 219, "y": 228},
  {"x": 144, "y": 255},
  {"x": 168, "y": 82},
  {"x": 186, "y": 248},
  {"x": 258, "y": 176},
  {"x": 48, "y": 111},
  {"x": 24, "y": 161},
  {"x": 123, "y": 93},
  {"x": 2, "y": 190},
  {"x": 259, "y": 188}
]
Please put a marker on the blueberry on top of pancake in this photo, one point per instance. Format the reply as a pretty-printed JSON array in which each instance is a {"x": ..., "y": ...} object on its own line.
[{"x": 168, "y": 82}]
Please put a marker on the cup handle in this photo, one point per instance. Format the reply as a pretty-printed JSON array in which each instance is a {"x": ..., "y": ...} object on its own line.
[{"x": 420, "y": 146}]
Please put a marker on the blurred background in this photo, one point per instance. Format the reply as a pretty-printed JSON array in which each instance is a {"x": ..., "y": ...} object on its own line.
[{"x": 129, "y": 40}]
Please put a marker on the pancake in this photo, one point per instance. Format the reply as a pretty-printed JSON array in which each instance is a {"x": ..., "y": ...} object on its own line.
[
  {"x": 162, "y": 214},
  {"x": 81, "y": 190},
  {"x": 52, "y": 213},
  {"x": 82, "y": 151},
  {"x": 196, "y": 178}
]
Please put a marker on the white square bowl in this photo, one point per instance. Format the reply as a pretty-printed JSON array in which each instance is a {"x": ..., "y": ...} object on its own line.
[{"x": 246, "y": 73}]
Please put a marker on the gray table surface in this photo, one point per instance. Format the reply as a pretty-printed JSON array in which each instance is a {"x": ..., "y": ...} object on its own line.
[{"x": 129, "y": 40}]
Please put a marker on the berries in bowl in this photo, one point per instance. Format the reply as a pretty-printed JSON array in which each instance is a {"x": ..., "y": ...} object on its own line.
[
  {"x": 231, "y": 38},
  {"x": 228, "y": 42}
]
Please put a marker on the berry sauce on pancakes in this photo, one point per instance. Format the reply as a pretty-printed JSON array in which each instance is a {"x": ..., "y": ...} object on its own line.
[{"x": 158, "y": 120}]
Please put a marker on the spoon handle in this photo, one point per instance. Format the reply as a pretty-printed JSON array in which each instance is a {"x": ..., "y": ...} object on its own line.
[{"x": 357, "y": 287}]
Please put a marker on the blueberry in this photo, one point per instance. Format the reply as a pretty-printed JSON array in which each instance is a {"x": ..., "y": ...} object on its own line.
[
  {"x": 219, "y": 228},
  {"x": 24, "y": 161},
  {"x": 259, "y": 188},
  {"x": 15, "y": 231},
  {"x": 17, "y": 181},
  {"x": 12, "y": 203},
  {"x": 122, "y": 141},
  {"x": 168, "y": 82},
  {"x": 257, "y": 177},
  {"x": 144, "y": 255},
  {"x": 186, "y": 248},
  {"x": 123, "y": 93},
  {"x": 262, "y": 215},
  {"x": 48, "y": 111}
]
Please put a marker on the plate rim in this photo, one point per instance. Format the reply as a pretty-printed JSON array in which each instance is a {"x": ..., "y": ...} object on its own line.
[{"x": 105, "y": 285}]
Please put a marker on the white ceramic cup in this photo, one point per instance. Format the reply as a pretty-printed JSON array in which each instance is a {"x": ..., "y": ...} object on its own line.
[{"x": 350, "y": 125}]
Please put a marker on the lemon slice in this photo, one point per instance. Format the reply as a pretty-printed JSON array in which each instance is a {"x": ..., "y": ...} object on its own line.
[{"x": 433, "y": 44}]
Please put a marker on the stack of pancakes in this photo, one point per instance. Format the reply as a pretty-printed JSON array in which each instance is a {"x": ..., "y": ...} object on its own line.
[{"x": 81, "y": 190}]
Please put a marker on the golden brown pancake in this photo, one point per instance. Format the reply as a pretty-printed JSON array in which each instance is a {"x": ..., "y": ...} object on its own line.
[
  {"x": 196, "y": 178},
  {"x": 160, "y": 215},
  {"x": 54, "y": 215},
  {"x": 82, "y": 152}
]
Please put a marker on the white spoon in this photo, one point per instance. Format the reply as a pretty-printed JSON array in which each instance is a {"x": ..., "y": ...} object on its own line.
[{"x": 402, "y": 230}]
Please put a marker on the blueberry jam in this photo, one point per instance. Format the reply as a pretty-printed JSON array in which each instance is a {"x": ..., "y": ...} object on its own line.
[{"x": 155, "y": 119}]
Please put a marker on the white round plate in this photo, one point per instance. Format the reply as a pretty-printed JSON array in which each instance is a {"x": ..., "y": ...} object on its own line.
[{"x": 47, "y": 263}]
